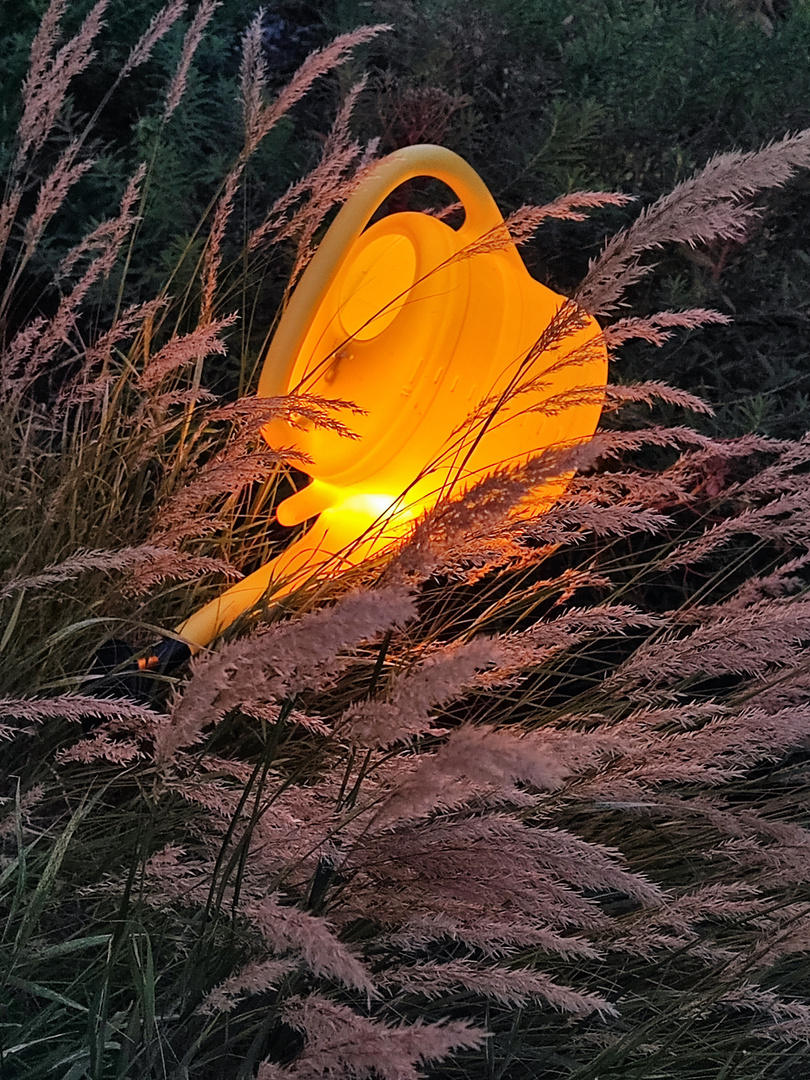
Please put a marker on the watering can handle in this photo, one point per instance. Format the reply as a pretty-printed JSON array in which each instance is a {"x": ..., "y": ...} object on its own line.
[
  {"x": 481, "y": 210},
  {"x": 481, "y": 215}
]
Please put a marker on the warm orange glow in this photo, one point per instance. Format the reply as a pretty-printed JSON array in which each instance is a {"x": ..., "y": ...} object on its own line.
[{"x": 399, "y": 320}]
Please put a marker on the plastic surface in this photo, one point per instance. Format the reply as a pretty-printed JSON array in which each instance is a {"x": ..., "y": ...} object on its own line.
[{"x": 404, "y": 320}]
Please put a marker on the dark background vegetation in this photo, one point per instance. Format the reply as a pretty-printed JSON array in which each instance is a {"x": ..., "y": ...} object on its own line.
[{"x": 541, "y": 96}]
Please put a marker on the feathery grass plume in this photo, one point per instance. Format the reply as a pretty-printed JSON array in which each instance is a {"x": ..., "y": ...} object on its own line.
[
  {"x": 250, "y": 415},
  {"x": 272, "y": 714},
  {"x": 707, "y": 207},
  {"x": 789, "y": 1020},
  {"x": 769, "y": 633},
  {"x": 483, "y": 506},
  {"x": 212, "y": 255},
  {"x": 344, "y": 163},
  {"x": 786, "y": 933},
  {"x": 285, "y": 928},
  {"x": 8, "y": 214},
  {"x": 160, "y": 25},
  {"x": 239, "y": 462},
  {"x": 491, "y": 882},
  {"x": 228, "y": 473},
  {"x": 106, "y": 238},
  {"x": 184, "y": 349},
  {"x": 406, "y": 713},
  {"x": 714, "y": 468},
  {"x": 66, "y": 172},
  {"x": 100, "y": 747},
  {"x": 572, "y": 519},
  {"x": 220, "y": 803},
  {"x": 521, "y": 224},
  {"x": 722, "y": 749},
  {"x": 141, "y": 562},
  {"x": 609, "y": 504},
  {"x": 781, "y": 477},
  {"x": 89, "y": 385},
  {"x": 81, "y": 562},
  {"x": 622, "y": 486},
  {"x": 337, "y": 1038},
  {"x": 657, "y": 328},
  {"x": 169, "y": 868},
  {"x": 477, "y": 758},
  {"x": 524, "y": 648},
  {"x": 191, "y": 41},
  {"x": 50, "y": 75},
  {"x": 783, "y": 581},
  {"x": 444, "y": 674},
  {"x": 606, "y": 445},
  {"x": 503, "y": 940},
  {"x": 508, "y": 986},
  {"x": 37, "y": 344},
  {"x": 441, "y": 536},
  {"x": 43, "y": 45},
  {"x": 167, "y": 564},
  {"x": 71, "y": 707},
  {"x": 252, "y": 76},
  {"x": 254, "y": 978},
  {"x": 786, "y": 858},
  {"x": 788, "y": 847},
  {"x": 498, "y": 934},
  {"x": 652, "y": 391},
  {"x": 784, "y": 518},
  {"x": 281, "y": 662},
  {"x": 674, "y": 925},
  {"x": 260, "y": 119},
  {"x": 328, "y": 184}
]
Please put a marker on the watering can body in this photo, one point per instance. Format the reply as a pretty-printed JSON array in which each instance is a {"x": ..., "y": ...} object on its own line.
[{"x": 433, "y": 332}]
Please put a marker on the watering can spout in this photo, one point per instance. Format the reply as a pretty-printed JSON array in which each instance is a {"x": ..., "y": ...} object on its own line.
[
  {"x": 341, "y": 537},
  {"x": 459, "y": 361},
  {"x": 311, "y": 500}
]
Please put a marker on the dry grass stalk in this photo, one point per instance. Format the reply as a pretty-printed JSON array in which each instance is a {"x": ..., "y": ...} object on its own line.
[
  {"x": 191, "y": 41},
  {"x": 49, "y": 76},
  {"x": 160, "y": 25}
]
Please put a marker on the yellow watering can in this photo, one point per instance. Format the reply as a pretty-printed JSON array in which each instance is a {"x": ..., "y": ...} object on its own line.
[{"x": 420, "y": 325}]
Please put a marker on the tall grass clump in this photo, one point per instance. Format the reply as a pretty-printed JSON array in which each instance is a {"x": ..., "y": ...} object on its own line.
[{"x": 526, "y": 798}]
